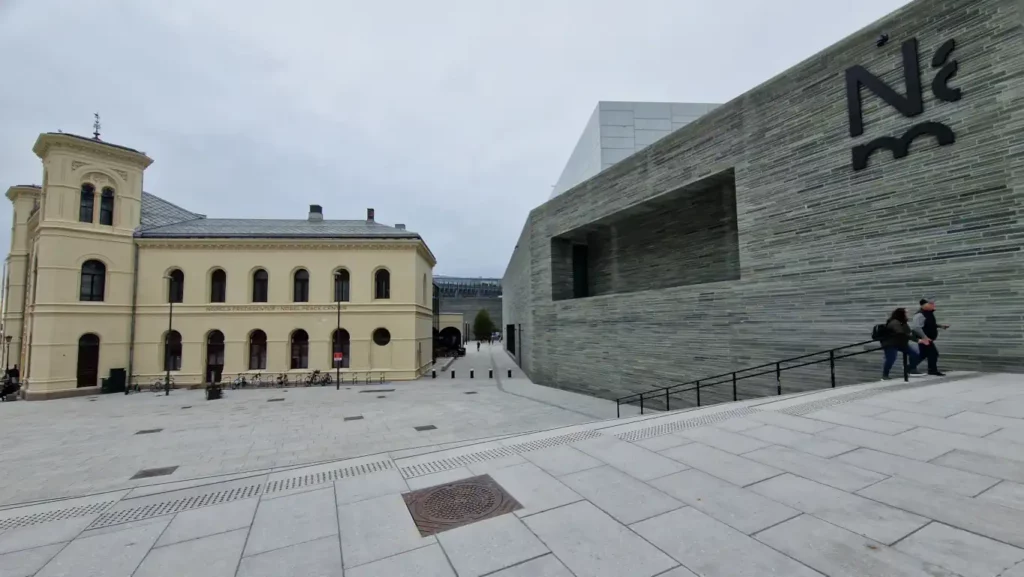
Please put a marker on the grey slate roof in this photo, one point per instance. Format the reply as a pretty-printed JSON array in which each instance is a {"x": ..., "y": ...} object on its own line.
[
  {"x": 161, "y": 219},
  {"x": 158, "y": 212}
]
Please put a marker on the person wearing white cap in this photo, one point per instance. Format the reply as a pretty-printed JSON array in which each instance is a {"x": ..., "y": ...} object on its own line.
[{"x": 926, "y": 328}]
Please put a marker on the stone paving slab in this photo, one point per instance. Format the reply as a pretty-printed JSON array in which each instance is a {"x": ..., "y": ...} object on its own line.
[{"x": 809, "y": 497}]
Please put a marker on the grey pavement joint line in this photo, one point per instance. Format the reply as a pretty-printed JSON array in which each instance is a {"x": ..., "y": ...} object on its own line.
[
  {"x": 448, "y": 463},
  {"x": 518, "y": 563}
]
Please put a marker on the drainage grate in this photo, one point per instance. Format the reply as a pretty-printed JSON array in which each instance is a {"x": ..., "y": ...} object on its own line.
[
  {"x": 176, "y": 506},
  {"x": 187, "y": 407},
  {"x": 810, "y": 407},
  {"x": 274, "y": 400},
  {"x": 437, "y": 509},
  {"x": 703, "y": 420},
  {"x": 378, "y": 391},
  {"x": 470, "y": 393},
  {"x": 382, "y": 397},
  {"x": 327, "y": 476},
  {"x": 356, "y": 418},
  {"x": 157, "y": 472},
  {"x": 425, "y": 428},
  {"x": 448, "y": 463},
  {"x": 56, "y": 515},
  {"x": 147, "y": 431}
]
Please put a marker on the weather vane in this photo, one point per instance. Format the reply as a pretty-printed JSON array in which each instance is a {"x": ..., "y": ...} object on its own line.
[{"x": 96, "y": 125}]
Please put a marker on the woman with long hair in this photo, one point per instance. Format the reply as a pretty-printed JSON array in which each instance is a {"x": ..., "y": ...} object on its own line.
[{"x": 897, "y": 340}]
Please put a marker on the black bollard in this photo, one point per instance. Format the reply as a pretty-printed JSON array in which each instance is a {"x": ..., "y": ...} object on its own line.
[
  {"x": 453, "y": 374},
  {"x": 510, "y": 373},
  {"x": 471, "y": 373},
  {"x": 490, "y": 374},
  {"x": 433, "y": 374}
]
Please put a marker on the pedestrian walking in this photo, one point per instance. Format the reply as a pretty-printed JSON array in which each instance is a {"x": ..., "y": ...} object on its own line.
[
  {"x": 896, "y": 339},
  {"x": 926, "y": 329}
]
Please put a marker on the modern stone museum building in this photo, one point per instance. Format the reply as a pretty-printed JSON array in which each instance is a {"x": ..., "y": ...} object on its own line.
[{"x": 888, "y": 168}]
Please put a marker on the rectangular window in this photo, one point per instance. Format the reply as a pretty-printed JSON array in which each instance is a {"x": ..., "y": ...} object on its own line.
[
  {"x": 257, "y": 357},
  {"x": 107, "y": 208},
  {"x": 259, "y": 291},
  {"x": 579, "y": 271},
  {"x": 85, "y": 209}
]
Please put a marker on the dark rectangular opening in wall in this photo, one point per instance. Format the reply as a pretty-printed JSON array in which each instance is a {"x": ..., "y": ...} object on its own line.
[
  {"x": 510, "y": 338},
  {"x": 687, "y": 236},
  {"x": 580, "y": 288}
]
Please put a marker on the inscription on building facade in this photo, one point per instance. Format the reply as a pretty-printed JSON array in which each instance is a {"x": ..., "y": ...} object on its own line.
[{"x": 909, "y": 105}]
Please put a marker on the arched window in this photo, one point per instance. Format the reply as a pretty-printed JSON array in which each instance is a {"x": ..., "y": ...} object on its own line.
[
  {"x": 176, "y": 286},
  {"x": 107, "y": 206},
  {"x": 172, "y": 351},
  {"x": 94, "y": 280},
  {"x": 218, "y": 286},
  {"x": 258, "y": 351},
  {"x": 382, "y": 284},
  {"x": 88, "y": 360},
  {"x": 341, "y": 282},
  {"x": 300, "y": 288},
  {"x": 260, "y": 286},
  {"x": 214, "y": 356},
  {"x": 85, "y": 205},
  {"x": 300, "y": 350},
  {"x": 340, "y": 342}
]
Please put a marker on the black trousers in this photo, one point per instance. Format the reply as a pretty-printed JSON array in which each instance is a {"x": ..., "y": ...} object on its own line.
[{"x": 931, "y": 354}]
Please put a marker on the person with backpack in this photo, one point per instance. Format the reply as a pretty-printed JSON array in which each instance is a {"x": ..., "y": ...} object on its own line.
[
  {"x": 926, "y": 328},
  {"x": 895, "y": 338}
]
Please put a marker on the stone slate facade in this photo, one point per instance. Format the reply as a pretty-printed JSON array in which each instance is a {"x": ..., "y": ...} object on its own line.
[{"x": 748, "y": 237}]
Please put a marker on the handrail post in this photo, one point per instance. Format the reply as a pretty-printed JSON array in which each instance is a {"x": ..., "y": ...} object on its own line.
[
  {"x": 618, "y": 404},
  {"x": 698, "y": 393},
  {"x": 832, "y": 366},
  {"x": 906, "y": 369},
  {"x": 734, "y": 397},
  {"x": 666, "y": 400},
  {"x": 778, "y": 378},
  {"x": 641, "y": 403}
]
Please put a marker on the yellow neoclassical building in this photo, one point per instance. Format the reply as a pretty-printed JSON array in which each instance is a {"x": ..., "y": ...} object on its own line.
[{"x": 103, "y": 276}]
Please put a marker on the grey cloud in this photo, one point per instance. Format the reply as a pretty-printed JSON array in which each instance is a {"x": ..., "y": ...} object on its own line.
[{"x": 452, "y": 117}]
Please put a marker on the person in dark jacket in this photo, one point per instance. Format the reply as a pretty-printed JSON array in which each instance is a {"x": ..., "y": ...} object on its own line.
[
  {"x": 926, "y": 329},
  {"x": 897, "y": 340}
]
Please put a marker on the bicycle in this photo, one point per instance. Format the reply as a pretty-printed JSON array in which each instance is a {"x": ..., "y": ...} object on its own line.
[
  {"x": 282, "y": 380},
  {"x": 240, "y": 382},
  {"x": 159, "y": 385},
  {"x": 318, "y": 377},
  {"x": 257, "y": 380}
]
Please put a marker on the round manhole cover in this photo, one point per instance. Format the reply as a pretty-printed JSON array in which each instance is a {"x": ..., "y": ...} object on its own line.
[
  {"x": 437, "y": 509},
  {"x": 457, "y": 502}
]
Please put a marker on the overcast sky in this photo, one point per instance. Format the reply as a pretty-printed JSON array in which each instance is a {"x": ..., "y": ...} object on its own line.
[{"x": 454, "y": 117}]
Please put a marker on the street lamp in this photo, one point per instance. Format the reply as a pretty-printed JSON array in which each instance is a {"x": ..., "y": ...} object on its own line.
[
  {"x": 167, "y": 339},
  {"x": 337, "y": 333},
  {"x": 7, "y": 352}
]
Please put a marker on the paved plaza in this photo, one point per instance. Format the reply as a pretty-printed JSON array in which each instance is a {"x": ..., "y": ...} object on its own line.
[
  {"x": 892, "y": 479},
  {"x": 72, "y": 447}
]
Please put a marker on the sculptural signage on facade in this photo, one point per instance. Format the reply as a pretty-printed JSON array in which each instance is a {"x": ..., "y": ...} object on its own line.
[{"x": 909, "y": 105}]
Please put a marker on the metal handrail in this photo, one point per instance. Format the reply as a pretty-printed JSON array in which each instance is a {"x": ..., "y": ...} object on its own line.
[{"x": 735, "y": 376}]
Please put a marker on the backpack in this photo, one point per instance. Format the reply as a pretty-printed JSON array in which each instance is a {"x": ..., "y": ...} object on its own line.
[{"x": 879, "y": 332}]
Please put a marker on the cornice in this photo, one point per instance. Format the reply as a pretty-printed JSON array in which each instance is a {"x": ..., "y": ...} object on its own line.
[
  {"x": 28, "y": 190},
  {"x": 270, "y": 244},
  {"x": 48, "y": 141}
]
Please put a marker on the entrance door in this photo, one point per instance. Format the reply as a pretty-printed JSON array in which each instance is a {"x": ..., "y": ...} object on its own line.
[
  {"x": 214, "y": 356},
  {"x": 88, "y": 372}
]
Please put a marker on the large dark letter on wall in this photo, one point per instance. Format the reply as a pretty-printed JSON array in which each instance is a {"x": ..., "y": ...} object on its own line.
[{"x": 910, "y": 105}]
